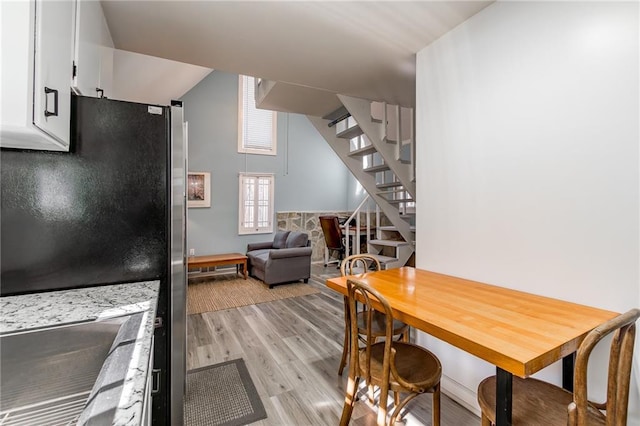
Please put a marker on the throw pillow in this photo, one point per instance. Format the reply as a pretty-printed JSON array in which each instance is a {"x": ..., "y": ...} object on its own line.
[
  {"x": 280, "y": 239},
  {"x": 297, "y": 239}
]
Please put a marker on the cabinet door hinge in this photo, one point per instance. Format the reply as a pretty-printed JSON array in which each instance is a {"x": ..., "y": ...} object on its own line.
[{"x": 74, "y": 70}]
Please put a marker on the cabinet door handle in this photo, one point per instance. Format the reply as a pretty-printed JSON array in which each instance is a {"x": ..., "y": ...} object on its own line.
[{"x": 48, "y": 113}]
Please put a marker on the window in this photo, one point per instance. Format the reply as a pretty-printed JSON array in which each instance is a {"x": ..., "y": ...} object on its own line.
[
  {"x": 256, "y": 127},
  {"x": 256, "y": 203}
]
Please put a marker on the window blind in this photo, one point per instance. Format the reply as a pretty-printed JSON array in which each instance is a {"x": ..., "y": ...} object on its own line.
[{"x": 257, "y": 124}]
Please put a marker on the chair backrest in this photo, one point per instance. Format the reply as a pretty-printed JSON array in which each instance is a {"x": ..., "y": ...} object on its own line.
[
  {"x": 370, "y": 300},
  {"x": 620, "y": 358},
  {"x": 332, "y": 232},
  {"x": 365, "y": 261}
]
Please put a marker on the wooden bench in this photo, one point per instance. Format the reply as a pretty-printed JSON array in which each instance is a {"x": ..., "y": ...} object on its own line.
[{"x": 219, "y": 260}]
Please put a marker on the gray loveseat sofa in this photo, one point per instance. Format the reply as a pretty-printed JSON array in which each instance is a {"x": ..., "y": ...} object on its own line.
[{"x": 285, "y": 259}]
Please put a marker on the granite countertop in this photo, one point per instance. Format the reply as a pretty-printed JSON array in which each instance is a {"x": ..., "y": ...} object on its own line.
[{"x": 54, "y": 308}]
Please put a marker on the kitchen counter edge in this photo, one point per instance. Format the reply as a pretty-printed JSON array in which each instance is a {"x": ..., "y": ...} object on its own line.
[{"x": 54, "y": 308}]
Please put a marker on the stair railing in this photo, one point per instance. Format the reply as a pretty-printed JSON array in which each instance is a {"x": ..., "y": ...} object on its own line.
[{"x": 356, "y": 215}]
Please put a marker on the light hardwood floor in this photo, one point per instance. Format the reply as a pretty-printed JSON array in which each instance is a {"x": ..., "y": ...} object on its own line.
[{"x": 292, "y": 348}]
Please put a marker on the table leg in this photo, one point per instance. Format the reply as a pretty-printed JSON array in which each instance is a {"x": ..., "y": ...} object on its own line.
[
  {"x": 244, "y": 269},
  {"x": 567, "y": 371},
  {"x": 504, "y": 383}
]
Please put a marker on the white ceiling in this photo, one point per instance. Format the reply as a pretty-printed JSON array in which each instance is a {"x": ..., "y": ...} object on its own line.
[
  {"x": 362, "y": 49},
  {"x": 151, "y": 80}
]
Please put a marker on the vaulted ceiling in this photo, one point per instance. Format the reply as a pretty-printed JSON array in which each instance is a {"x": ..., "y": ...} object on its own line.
[{"x": 361, "y": 49}]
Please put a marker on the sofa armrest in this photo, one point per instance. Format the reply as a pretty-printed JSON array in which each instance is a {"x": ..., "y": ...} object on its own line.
[
  {"x": 290, "y": 252},
  {"x": 259, "y": 246}
]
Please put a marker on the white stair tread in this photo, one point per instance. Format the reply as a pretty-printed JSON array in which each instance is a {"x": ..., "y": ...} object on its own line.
[
  {"x": 377, "y": 168},
  {"x": 393, "y": 228},
  {"x": 388, "y": 185},
  {"x": 390, "y": 190},
  {"x": 384, "y": 259},
  {"x": 350, "y": 133},
  {"x": 388, "y": 243},
  {"x": 366, "y": 150},
  {"x": 401, "y": 200}
]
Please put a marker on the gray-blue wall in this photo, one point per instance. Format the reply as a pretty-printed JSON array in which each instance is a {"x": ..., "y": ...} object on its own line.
[{"x": 309, "y": 176}]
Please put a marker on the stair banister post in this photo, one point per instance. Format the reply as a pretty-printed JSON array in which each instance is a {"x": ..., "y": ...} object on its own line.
[
  {"x": 385, "y": 121},
  {"x": 412, "y": 140},
  {"x": 378, "y": 231},
  {"x": 368, "y": 216},
  {"x": 398, "y": 132},
  {"x": 358, "y": 233},
  {"x": 355, "y": 235},
  {"x": 347, "y": 251}
]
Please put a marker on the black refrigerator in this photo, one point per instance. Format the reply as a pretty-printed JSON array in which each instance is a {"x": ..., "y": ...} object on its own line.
[{"x": 112, "y": 210}]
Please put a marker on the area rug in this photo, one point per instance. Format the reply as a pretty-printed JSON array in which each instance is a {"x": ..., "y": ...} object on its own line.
[
  {"x": 222, "y": 395},
  {"x": 217, "y": 293}
]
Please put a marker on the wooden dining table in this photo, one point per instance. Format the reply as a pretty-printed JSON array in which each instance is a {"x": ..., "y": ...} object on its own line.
[{"x": 518, "y": 332}]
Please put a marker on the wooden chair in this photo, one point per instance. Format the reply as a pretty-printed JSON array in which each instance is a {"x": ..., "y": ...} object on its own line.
[
  {"x": 333, "y": 237},
  {"x": 540, "y": 403},
  {"x": 399, "y": 367},
  {"x": 350, "y": 266}
]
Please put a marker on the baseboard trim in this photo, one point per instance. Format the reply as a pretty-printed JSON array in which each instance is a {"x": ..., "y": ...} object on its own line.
[{"x": 461, "y": 394}]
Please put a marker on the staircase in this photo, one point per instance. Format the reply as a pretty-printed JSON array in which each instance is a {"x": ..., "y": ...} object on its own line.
[{"x": 376, "y": 143}]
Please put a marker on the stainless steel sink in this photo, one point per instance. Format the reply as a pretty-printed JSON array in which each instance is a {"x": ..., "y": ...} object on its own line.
[{"x": 47, "y": 375}]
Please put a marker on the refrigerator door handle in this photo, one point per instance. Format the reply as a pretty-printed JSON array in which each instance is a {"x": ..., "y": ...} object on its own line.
[
  {"x": 157, "y": 323},
  {"x": 157, "y": 375}
]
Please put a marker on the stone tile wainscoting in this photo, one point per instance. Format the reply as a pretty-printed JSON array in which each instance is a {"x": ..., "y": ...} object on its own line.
[{"x": 309, "y": 222}]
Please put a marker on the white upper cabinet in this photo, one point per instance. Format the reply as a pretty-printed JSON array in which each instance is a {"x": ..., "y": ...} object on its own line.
[
  {"x": 93, "y": 51},
  {"x": 40, "y": 41},
  {"x": 36, "y": 74},
  {"x": 53, "y": 65}
]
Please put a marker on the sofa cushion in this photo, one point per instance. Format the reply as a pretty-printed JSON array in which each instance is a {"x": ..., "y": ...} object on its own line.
[
  {"x": 296, "y": 239},
  {"x": 258, "y": 258},
  {"x": 280, "y": 239}
]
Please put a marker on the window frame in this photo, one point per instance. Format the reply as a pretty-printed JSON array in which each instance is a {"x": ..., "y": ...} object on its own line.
[
  {"x": 243, "y": 230},
  {"x": 241, "y": 118}
]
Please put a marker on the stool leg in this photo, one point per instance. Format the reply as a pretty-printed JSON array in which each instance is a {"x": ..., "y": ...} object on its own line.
[
  {"x": 349, "y": 399},
  {"x": 435, "y": 408},
  {"x": 371, "y": 393},
  {"x": 406, "y": 336},
  {"x": 485, "y": 420}
]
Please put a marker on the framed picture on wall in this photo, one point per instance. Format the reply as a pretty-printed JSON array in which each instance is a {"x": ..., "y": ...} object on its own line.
[{"x": 198, "y": 189}]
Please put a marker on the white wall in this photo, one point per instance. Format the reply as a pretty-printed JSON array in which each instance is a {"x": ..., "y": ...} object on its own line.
[{"x": 527, "y": 145}]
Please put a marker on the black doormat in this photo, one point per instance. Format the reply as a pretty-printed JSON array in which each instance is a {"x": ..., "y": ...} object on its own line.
[{"x": 222, "y": 395}]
